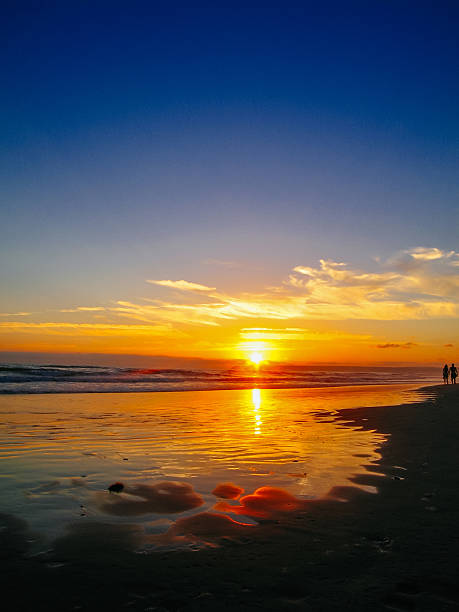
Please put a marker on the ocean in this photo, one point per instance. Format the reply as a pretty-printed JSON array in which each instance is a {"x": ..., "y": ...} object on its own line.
[
  {"x": 180, "y": 456},
  {"x": 20, "y": 378},
  {"x": 276, "y": 434}
]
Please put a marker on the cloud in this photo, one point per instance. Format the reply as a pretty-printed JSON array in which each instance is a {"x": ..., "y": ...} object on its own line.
[
  {"x": 422, "y": 256},
  {"x": 87, "y": 328},
  {"x": 405, "y": 345},
  {"x": 260, "y": 333},
  {"x": 404, "y": 287},
  {"x": 161, "y": 497},
  {"x": 183, "y": 285},
  {"x": 15, "y": 314},
  {"x": 427, "y": 254},
  {"x": 83, "y": 309},
  {"x": 265, "y": 502},
  {"x": 203, "y": 528},
  {"x": 228, "y": 490},
  {"x": 296, "y": 333},
  {"x": 418, "y": 283},
  {"x": 421, "y": 283},
  {"x": 223, "y": 263},
  {"x": 155, "y": 310},
  {"x": 448, "y": 345}
]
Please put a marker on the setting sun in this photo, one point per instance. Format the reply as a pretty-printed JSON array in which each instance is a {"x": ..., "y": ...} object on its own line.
[
  {"x": 256, "y": 358},
  {"x": 256, "y": 353}
]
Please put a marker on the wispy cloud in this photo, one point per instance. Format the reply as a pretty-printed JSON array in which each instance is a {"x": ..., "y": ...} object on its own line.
[
  {"x": 223, "y": 263},
  {"x": 15, "y": 314},
  {"x": 390, "y": 345},
  {"x": 92, "y": 337},
  {"x": 431, "y": 254},
  {"x": 87, "y": 328},
  {"x": 157, "y": 310},
  {"x": 293, "y": 334},
  {"x": 83, "y": 309},
  {"x": 420, "y": 283},
  {"x": 265, "y": 333},
  {"x": 183, "y": 285}
]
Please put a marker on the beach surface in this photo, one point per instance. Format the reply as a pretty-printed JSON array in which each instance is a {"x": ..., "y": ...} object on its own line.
[{"x": 349, "y": 550}]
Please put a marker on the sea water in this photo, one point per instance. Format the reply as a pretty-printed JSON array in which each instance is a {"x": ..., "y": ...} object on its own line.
[{"x": 60, "y": 452}]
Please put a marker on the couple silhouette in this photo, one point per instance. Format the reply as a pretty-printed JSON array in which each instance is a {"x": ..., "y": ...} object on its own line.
[{"x": 449, "y": 372}]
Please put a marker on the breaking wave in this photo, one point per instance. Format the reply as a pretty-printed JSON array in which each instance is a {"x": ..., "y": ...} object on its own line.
[{"x": 19, "y": 378}]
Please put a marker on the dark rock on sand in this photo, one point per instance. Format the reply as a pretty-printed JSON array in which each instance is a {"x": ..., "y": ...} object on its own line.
[{"x": 116, "y": 487}]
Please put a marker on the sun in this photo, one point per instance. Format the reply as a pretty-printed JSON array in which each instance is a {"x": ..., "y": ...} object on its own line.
[
  {"x": 255, "y": 353},
  {"x": 256, "y": 357}
]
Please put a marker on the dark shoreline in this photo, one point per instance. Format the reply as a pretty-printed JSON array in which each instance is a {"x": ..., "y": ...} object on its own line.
[{"x": 393, "y": 551}]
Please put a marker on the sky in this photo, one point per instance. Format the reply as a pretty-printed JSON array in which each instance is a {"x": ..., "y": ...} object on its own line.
[{"x": 206, "y": 180}]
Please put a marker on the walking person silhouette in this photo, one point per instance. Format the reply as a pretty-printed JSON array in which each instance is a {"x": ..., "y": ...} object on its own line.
[
  {"x": 453, "y": 373},
  {"x": 445, "y": 374}
]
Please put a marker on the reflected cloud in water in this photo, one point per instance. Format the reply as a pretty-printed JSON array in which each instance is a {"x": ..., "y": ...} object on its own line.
[
  {"x": 265, "y": 502},
  {"x": 162, "y": 497},
  {"x": 228, "y": 490}
]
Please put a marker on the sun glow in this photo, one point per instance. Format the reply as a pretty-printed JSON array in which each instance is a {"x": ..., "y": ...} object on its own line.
[
  {"x": 256, "y": 357},
  {"x": 255, "y": 353}
]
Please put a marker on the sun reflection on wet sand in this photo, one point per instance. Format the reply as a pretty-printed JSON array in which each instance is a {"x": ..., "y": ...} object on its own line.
[{"x": 181, "y": 455}]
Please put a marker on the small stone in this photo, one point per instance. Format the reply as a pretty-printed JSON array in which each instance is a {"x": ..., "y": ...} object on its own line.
[{"x": 116, "y": 487}]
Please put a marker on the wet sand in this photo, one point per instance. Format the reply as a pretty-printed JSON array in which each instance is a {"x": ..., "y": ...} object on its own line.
[{"x": 396, "y": 550}]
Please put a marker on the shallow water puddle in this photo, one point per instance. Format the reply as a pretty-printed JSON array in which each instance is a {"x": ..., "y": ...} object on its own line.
[{"x": 190, "y": 463}]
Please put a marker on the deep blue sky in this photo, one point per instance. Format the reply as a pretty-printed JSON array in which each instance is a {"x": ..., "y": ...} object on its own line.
[{"x": 140, "y": 139}]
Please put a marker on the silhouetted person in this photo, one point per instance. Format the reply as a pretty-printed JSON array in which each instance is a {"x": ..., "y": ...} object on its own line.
[
  {"x": 453, "y": 373},
  {"x": 445, "y": 374}
]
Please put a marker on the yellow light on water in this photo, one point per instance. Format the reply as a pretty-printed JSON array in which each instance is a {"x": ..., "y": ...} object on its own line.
[{"x": 256, "y": 399}]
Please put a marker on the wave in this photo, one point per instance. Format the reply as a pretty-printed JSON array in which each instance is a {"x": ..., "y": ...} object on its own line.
[{"x": 19, "y": 378}]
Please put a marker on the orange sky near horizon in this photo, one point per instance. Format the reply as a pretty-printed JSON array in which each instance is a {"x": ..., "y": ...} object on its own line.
[{"x": 404, "y": 311}]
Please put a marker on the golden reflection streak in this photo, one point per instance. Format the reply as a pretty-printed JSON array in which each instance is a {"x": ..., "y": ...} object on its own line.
[{"x": 256, "y": 399}]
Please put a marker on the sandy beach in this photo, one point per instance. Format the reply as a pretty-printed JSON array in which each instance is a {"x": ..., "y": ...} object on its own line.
[{"x": 396, "y": 550}]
